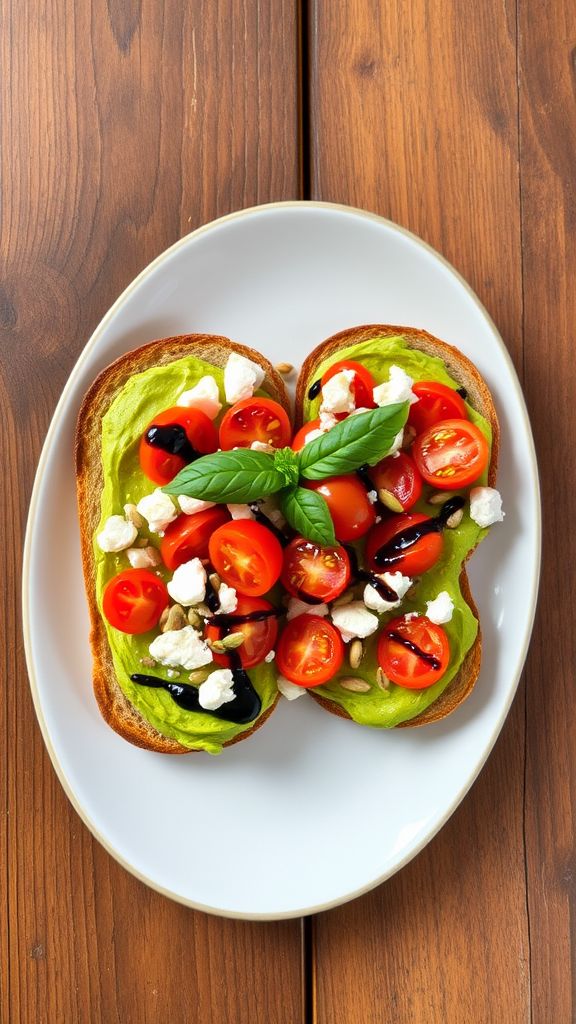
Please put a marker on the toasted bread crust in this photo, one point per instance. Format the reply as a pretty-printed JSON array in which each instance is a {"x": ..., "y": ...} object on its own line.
[
  {"x": 115, "y": 708},
  {"x": 463, "y": 371}
]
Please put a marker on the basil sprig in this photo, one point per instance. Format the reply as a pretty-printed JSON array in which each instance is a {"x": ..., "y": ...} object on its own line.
[
  {"x": 353, "y": 442},
  {"x": 237, "y": 476},
  {"x": 308, "y": 513}
]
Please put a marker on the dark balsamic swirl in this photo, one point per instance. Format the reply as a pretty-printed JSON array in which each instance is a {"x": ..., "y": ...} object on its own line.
[
  {"x": 173, "y": 440},
  {"x": 429, "y": 659},
  {"x": 393, "y": 551},
  {"x": 314, "y": 390}
]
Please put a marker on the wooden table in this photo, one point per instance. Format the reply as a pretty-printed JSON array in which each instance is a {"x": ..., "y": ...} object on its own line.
[{"x": 125, "y": 124}]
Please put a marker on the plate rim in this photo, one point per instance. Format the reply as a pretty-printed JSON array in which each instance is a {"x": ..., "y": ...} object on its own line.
[{"x": 26, "y": 561}]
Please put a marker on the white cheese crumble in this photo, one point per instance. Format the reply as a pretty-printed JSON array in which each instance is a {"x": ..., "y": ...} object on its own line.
[
  {"x": 188, "y": 584},
  {"x": 181, "y": 647},
  {"x": 362, "y": 408},
  {"x": 217, "y": 690},
  {"x": 144, "y": 558},
  {"x": 354, "y": 620},
  {"x": 327, "y": 421},
  {"x": 313, "y": 435},
  {"x": 486, "y": 506},
  {"x": 158, "y": 509},
  {"x": 270, "y": 657},
  {"x": 117, "y": 535},
  {"x": 337, "y": 394},
  {"x": 240, "y": 511},
  {"x": 411, "y": 615},
  {"x": 204, "y": 396},
  {"x": 262, "y": 446},
  {"x": 397, "y": 442},
  {"x": 398, "y": 388},
  {"x": 192, "y": 505},
  {"x": 399, "y": 584},
  {"x": 241, "y": 377},
  {"x": 288, "y": 689},
  {"x": 372, "y": 497},
  {"x": 440, "y": 609},
  {"x": 297, "y": 607},
  {"x": 228, "y": 599}
]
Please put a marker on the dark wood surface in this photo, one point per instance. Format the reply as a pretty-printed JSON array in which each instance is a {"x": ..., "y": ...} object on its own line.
[{"x": 126, "y": 123}]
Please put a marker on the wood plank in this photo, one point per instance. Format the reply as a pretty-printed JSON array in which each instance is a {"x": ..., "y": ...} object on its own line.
[
  {"x": 125, "y": 123},
  {"x": 414, "y": 115},
  {"x": 547, "y": 61}
]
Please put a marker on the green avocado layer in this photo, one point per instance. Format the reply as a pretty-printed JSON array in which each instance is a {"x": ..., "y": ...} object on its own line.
[
  {"x": 385, "y": 709},
  {"x": 143, "y": 396}
]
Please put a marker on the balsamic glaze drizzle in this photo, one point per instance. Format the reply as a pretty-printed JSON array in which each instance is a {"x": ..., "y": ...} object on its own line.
[
  {"x": 211, "y": 599},
  {"x": 244, "y": 708},
  {"x": 264, "y": 520},
  {"x": 363, "y": 474},
  {"x": 315, "y": 389},
  {"x": 462, "y": 392},
  {"x": 173, "y": 440},
  {"x": 386, "y": 592},
  {"x": 391, "y": 553},
  {"x": 236, "y": 620},
  {"x": 430, "y": 659}
]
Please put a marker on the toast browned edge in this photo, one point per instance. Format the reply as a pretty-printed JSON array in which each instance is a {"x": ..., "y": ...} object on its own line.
[
  {"x": 466, "y": 374},
  {"x": 115, "y": 708}
]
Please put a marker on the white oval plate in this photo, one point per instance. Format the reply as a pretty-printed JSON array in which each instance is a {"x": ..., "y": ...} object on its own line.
[{"x": 312, "y": 810}]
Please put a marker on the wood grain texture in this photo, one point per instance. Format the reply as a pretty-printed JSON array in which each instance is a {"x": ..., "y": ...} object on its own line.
[
  {"x": 414, "y": 114},
  {"x": 125, "y": 123},
  {"x": 547, "y": 63}
]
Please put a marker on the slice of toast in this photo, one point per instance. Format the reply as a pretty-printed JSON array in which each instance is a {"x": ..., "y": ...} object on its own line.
[
  {"x": 478, "y": 395},
  {"x": 114, "y": 706}
]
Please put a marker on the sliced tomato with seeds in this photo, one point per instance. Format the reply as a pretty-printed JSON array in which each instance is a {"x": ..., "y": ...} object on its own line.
[
  {"x": 413, "y": 560},
  {"x": 350, "y": 508},
  {"x": 413, "y": 652},
  {"x": 435, "y": 402},
  {"x": 362, "y": 384},
  {"x": 188, "y": 536},
  {"x": 255, "y": 419},
  {"x": 259, "y": 635},
  {"x": 314, "y": 573},
  {"x": 134, "y": 600},
  {"x": 451, "y": 454},
  {"x": 174, "y": 438},
  {"x": 310, "y": 651},
  {"x": 399, "y": 475},
  {"x": 246, "y": 555}
]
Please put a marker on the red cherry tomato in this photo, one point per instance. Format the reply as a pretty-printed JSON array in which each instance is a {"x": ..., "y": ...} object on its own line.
[
  {"x": 188, "y": 536},
  {"x": 351, "y": 511},
  {"x": 362, "y": 384},
  {"x": 435, "y": 402},
  {"x": 246, "y": 556},
  {"x": 310, "y": 651},
  {"x": 314, "y": 573},
  {"x": 134, "y": 600},
  {"x": 260, "y": 636},
  {"x": 416, "y": 559},
  {"x": 199, "y": 433},
  {"x": 399, "y": 475},
  {"x": 255, "y": 419},
  {"x": 404, "y": 664},
  {"x": 299, "y": 439},
  {"x": 451, "y": 454}
]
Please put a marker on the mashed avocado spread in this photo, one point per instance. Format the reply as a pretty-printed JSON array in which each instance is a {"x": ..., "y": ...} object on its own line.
[{"x": 388, "y": 708}]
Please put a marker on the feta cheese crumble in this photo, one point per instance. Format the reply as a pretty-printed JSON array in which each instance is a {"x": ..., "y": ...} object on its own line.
[
  {"x": 181, "y": 647},
  {"x": 337, "y": 394},
  {"x": 144, "y": 558},
  {"x": 188, "y": 584},
  {"x": 397, "y": 582},
  {"x": 117, "y": 534},
  {"x": 297, "y": 607},
  {"x": 288, "y": 689},
  {"x": 270, "y": 657},
  {"x": 217, "y": 690},
  {"x": 440, "y": 609},
  {"x": 158, "y": 509},
  {"x": 240, "y": 511},
  {"x": 486, "y": 506},
  {"x": 228, "y": 599},
  {"x": 241, "y": 377},
  {"x": 192, "y": 505},
  {"x": 204, "y": 396},
  {"x": 354, "y": 620},
  {"x": 398, "y": 388}
]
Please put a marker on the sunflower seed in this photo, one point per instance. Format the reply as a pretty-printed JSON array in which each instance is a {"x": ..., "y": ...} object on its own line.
[
  {"x": 199, "y": 675},
  {"x": 284, "y": 368},
  {"x": 133, "y": 516},
  {"x": 176, "y": 619},
  {"x": 382, "y": 679},
  {"x": 215, "y": 581},
  {"x": 193, "y": 618},
  {"x": 163, "y": 619},
  {"x": 355, "y": 685},
  {"x": 455, "y": 519},
  {"x": 389, "y": 500},
  {"x": 439, "y": 497},
  {"x": 355, "y": 653},
  {"x": 227, "y": 643}
]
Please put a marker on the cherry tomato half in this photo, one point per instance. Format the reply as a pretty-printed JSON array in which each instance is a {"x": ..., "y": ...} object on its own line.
[
  {"x": 435, "y": 402},
  {"x": 188, "y": 536},
  {"x": 451, "y": 454},
  {"x": 314, "y": 573},
  {"x": 398, "y": 475},
  {"x": 362, "y": 384},
  {"x": 255, "y": 419},
  {"x": 299, "y": 439},
  {"x": 351, "y": 511},
  {"x": 246, "y": 555},
  {"x": 160, "y": 460},
  {"x": 134, "y": 600},
  {"x": 416, "y": 559},
  {"x": 259, "y": 636},
  {"x": 310, "y": 651},
  {"x": 404, "y": 664}
]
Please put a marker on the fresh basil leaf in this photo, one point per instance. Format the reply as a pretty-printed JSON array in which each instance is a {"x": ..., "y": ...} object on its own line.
[
  {"x": 308, "y": 513},
  {"x": 357, "y": 440},
  {"x": 286, "y": 462},
  {"x": 237, "y": 476}
]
